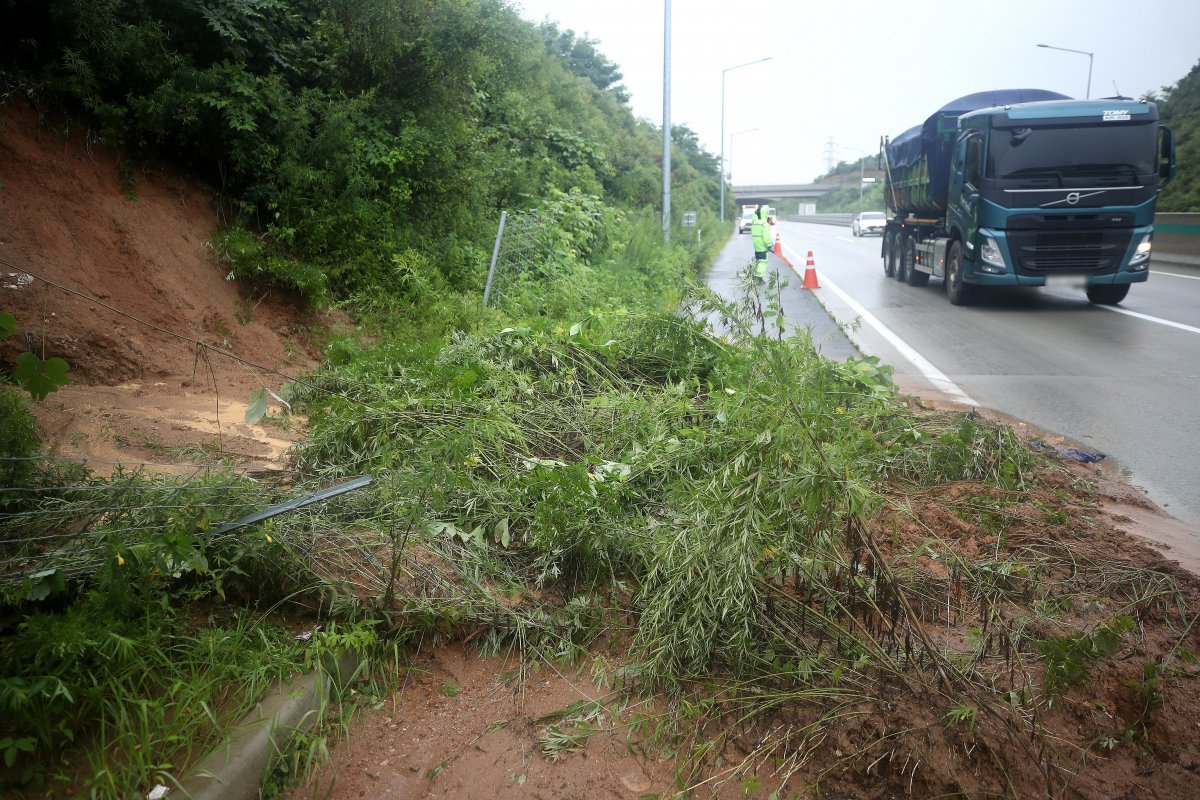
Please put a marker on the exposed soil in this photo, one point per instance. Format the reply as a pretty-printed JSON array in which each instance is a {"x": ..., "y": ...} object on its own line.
[
  {"x": 461, "y": 725},
  {"x": 137, "y": 392}
]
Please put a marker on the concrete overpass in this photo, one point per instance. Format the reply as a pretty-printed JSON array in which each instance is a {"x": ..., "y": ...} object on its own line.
[{"x": 769, "y": 194}]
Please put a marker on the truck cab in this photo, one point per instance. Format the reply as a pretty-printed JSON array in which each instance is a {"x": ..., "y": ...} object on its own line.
[{"x": 1054, "y": 191}]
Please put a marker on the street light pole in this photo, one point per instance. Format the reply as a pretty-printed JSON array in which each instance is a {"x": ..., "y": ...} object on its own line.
[
  {"x": 1088, "y": 96},
  {"x": 729, "y": 69},
  {"x": 861, "y": 164},
  {"x": 861, "y": 161},
  {"x": 666, "y": 178}
]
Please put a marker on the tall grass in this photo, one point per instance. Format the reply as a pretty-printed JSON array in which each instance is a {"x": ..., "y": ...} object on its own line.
[{"x": 135, "y": 637}]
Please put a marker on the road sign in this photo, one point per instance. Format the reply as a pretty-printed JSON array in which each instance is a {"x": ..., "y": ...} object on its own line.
[{"x": 689, "y": 219}]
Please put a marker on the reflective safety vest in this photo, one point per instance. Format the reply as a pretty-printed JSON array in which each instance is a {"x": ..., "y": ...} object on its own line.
[{"x": 760, "y": 230}]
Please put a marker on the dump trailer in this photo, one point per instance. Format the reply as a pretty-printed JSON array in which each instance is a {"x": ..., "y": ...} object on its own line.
[{"x": 1025, "y": 187}]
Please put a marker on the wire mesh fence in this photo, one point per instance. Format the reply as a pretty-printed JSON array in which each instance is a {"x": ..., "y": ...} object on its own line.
[{"x": 520, "y": 254}]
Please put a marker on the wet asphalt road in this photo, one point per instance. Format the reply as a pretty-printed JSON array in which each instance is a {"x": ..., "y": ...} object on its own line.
[
  {"x": 1124, "y": 382},
  {"x": 800, "y": 307}
]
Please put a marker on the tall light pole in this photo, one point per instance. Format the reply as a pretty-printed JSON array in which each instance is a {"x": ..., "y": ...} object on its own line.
[
  {"x": 666, "y": 191},
  {"x": 1082, "y": 53},
  {"x": 723, "y": 73},
  {"x": 861, "y": 163}
]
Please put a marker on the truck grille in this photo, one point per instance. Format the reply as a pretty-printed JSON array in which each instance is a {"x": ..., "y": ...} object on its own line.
[{"x": 1097, "y": 252}]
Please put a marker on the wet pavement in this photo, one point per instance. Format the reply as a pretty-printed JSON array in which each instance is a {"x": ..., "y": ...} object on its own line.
[{"x": 800, "y": 307}]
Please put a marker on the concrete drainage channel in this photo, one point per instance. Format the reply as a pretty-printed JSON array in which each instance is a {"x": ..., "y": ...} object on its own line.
[{"x": 236, "y": 770}]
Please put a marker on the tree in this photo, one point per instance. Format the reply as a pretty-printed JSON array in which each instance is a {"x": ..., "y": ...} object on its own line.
[
  {"x": 584, "y": 60},
  {"x": 1179, "y": 110}
]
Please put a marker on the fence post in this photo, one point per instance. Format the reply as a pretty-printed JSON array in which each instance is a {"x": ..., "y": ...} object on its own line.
[{"x": 487, "y": 290}]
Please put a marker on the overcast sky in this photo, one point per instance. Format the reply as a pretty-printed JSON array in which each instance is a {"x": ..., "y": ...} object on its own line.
[{"x": 853, "y": 71}]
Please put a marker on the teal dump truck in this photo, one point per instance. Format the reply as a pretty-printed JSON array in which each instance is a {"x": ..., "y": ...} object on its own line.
[{"x": 1025, "y": 187}]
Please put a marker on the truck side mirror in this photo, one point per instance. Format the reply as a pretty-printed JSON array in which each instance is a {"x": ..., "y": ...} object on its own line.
[{"x": 1166, "y": 153}]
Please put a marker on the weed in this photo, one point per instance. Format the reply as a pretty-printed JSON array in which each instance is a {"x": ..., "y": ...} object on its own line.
[
  {"x": 200, "y": 452},
  {"x": 556, "y": 741},
  {"x": 963, "y": 715},
  {"x": 1068, "y": 658},
  {"x": 1148, "y": 696}
]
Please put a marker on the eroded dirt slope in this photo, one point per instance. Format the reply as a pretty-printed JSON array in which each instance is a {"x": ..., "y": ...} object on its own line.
[{"x": 133, "y": 235}]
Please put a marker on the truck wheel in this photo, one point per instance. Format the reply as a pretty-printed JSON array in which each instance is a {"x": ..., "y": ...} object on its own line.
[
  {"x": 959, "y": 292},
  {"x": 1108, "y": 294},
  {"x": 889, "y": 265},
  {"x": 912, "y": 275},
  {"x": 897, "y": 254}
]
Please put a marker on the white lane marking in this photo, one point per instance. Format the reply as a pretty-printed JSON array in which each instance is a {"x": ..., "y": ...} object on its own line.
[
  {"x": 1148, "y": 318},
  {"x": 923, "y": 365},
  {"x": 1175, "y": 275}
]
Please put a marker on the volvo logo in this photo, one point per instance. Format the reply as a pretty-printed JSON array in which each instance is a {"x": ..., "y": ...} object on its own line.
[{"x": 1073, "y": 198}]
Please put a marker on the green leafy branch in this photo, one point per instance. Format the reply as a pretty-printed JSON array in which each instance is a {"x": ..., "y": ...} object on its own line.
[{"x": 35, "y": 375}]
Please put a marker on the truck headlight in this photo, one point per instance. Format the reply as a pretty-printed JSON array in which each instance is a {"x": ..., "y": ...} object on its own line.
[
  {"x": 1141, "y": 256},
  {"x": 991, "y": 257}
]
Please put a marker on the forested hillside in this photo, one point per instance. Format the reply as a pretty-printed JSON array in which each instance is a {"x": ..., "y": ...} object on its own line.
[
  {"x": 1179, "y": 108},
  {"x": 349, "y": 135}
]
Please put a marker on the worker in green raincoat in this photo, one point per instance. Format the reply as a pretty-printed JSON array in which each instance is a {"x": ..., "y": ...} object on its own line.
[{"x": 760, "y": 235}]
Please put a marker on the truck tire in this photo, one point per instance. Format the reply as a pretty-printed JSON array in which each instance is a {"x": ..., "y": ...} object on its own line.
[
  {"x": 912, "y": 275},
  {"x": 959, "y": 292},
  {"x": 889, "y": 266},
  {"x": 897, "y": 252},
  {"x": 1107, "y": 294}
]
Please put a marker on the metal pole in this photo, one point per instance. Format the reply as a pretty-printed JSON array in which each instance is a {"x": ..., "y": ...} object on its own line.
[
  {"x": 1087, "y": 53},
  {"x": 666, "y": 220},
  {"x": 487, "y": 290},
  {"x": 723, "y": 144},
  {"x": 729, "y": 69},
  {"x": 860, "y": 180}
]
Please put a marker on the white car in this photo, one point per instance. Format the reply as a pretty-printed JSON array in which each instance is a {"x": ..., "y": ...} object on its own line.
[
  {"x": 866, "y": 222},
  {"x": 746, "y": 221}
]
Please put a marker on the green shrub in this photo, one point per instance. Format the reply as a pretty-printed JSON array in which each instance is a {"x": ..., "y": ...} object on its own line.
[{"x": 18, "y": 437}]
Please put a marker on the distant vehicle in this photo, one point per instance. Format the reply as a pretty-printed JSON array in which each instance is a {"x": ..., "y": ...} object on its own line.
[
  {"x": 866, "y": 222},
  {"x": 746, "y": 220}
]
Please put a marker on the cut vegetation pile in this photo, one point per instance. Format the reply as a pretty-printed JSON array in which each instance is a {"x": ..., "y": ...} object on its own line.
[
  {"x": 833, "y": 589},
  {"x": 837, "y": 589}
]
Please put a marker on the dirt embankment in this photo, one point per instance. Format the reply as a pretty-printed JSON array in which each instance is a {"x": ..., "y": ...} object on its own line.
[{"x": 133, "y": 235}]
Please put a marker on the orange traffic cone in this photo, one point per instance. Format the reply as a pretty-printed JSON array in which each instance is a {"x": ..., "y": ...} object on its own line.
[
  {"x": 778, "y": 245},
  {"x": 810, "y": 274}
]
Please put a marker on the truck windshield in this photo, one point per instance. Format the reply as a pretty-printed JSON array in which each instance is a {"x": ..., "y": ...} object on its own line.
[{"x": 1125, "y": 151}]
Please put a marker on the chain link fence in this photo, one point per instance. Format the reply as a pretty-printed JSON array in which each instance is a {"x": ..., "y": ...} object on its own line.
[{"x": 520, "y": 253}]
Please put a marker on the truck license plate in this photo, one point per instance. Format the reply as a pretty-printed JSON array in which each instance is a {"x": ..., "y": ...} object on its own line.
[{"x": 1065, "y": 282}]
